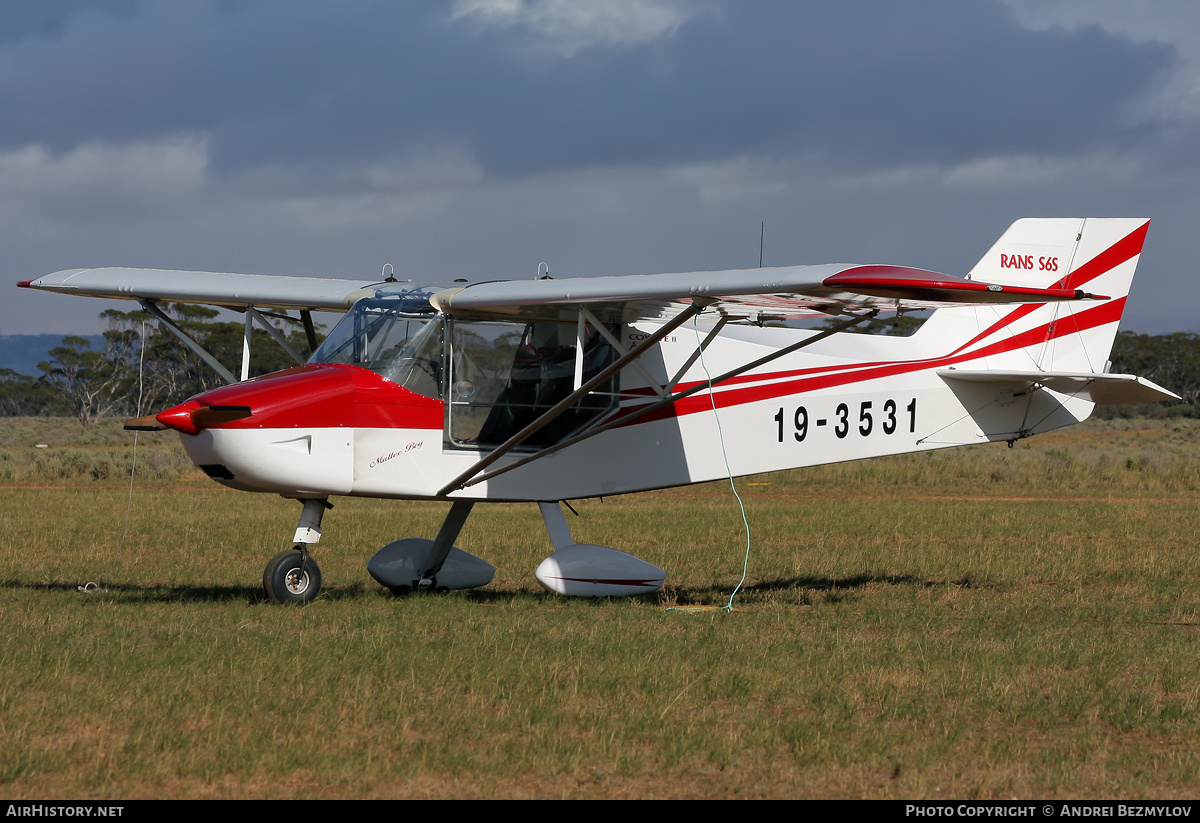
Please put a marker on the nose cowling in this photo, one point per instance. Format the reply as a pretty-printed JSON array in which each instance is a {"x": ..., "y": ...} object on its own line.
[
  {"x": 323, "y": 395},
  {"x": 306, "y": 395},
  {"x": 293, "y": 432}
]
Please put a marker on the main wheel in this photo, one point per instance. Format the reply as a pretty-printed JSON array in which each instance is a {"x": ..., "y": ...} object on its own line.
[{"x": 292, "y": 576}]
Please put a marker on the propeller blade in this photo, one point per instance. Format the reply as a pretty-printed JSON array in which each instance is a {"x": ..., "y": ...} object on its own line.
[{"x": 144, "y": 424}]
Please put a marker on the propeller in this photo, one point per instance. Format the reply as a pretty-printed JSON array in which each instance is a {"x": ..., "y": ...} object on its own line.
[{"x": 188, "y": 419}]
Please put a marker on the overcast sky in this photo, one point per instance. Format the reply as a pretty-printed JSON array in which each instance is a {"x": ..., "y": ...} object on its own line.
[{"x": 478, "y": 138}]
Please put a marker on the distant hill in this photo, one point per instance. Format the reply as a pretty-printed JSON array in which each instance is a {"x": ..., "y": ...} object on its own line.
[{"x": 22, "y": 352}]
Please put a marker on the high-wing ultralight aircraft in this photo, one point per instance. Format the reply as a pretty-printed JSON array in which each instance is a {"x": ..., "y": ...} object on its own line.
[{"x": 547, "y": 390}]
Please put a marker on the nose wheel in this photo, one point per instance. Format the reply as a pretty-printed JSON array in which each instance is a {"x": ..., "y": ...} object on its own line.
[{"x": 292, "y": 576}]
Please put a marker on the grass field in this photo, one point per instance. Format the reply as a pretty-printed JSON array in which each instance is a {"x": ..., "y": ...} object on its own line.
[{"x": 974, "y": 623}]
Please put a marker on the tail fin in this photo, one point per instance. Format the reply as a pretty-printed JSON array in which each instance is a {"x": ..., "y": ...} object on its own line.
[
  {"x": 1095, "y": 254},
  {"x": 1053, "y": 355}
]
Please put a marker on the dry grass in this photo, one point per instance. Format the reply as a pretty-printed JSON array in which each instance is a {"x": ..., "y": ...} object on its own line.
[{"x": 974, "y": 623}]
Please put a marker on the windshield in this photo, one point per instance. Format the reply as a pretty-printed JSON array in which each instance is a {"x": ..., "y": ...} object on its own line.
[{"x": 381, "y": 335}]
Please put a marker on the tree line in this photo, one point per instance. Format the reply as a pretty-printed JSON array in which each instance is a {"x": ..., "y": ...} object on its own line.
[
  {"x": 1170, "y": 360},
  {"x": 143, "y": 367}
]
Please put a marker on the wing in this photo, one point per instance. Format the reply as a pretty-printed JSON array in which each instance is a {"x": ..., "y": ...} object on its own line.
[
  {"x": 210, "y": 288},
  {"x": 243, "y": 292},
  {"x": 749, "y": 294}
]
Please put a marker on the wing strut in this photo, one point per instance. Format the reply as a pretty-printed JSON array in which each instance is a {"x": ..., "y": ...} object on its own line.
[
  {"x": 252, "y": 315},
  {"x": 616, "y": 344},
  {"x": 622, "y": 420},
  {"x": 561, "y": 406},
  {"x": 674, "y": 381},
  {"x": 310, "y": 331},
  {"x": 247, "y": 334},
  {"x": 201, "y": 352},
  {"x": 277, "y": 335}
]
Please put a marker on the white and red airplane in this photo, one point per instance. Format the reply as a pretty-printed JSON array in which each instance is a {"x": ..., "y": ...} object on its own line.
[{"x": 547, "y": 390}]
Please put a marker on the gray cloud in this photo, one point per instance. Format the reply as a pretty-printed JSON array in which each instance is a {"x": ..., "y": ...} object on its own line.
[
  {"x": 47, "y": 19},
  {"x": 329, "y": 138},
  {"x": 320, "y": 85}
]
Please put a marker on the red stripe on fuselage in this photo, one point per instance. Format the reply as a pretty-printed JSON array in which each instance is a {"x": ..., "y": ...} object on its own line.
[
  {"x": 1120, "y": 252},
  {"x": 1108, "y": 312}
]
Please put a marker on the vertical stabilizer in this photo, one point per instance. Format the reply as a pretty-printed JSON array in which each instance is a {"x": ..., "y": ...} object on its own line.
[
  {"x": 1033, "y": 252},
  {"x": 1022, "y": 369},
  {"x": 1096, "y": 254}
]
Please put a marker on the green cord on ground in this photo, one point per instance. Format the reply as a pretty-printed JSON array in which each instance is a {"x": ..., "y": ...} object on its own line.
[{"x": 728, "y": 607}]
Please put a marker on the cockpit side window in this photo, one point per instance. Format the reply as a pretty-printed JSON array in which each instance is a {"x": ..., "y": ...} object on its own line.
[
  {"x": 495, "y": 377},
  {"x": 506, "y": 375}
]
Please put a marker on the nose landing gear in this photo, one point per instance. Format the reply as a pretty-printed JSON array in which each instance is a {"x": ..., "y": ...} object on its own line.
[{"x": 292, "y": 576}]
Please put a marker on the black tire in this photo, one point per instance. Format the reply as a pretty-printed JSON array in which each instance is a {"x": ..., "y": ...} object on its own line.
[{"x": 292, "y": 576}]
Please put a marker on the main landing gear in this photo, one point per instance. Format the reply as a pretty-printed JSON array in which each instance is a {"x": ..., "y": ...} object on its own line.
[
  {"x": 292, "y": 576},
  {"x": 416, "y": 564}
]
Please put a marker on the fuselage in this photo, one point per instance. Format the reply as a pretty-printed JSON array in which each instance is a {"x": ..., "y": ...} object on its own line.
[{"x": 404, "y": 426}]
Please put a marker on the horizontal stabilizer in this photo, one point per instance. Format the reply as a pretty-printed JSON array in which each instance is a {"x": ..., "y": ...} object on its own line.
[{"x": 1101, "y": 389}]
